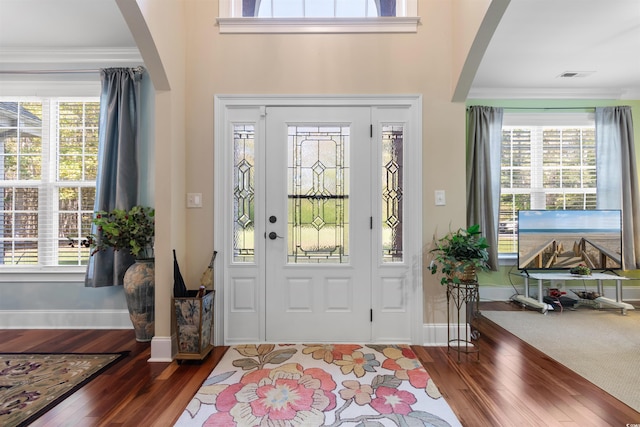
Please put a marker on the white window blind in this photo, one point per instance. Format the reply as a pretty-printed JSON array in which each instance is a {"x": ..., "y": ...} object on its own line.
[
  {"x": 49, "y": 163},
  {"x": 548, "y": 161}
]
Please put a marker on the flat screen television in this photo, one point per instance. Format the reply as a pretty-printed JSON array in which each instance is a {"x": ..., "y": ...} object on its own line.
[{"x": 558, "y": 240}]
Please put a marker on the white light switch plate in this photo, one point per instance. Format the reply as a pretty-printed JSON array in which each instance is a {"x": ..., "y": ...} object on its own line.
[
  {"x": 440, "y": 198},
  {"x": 194, "y": 200}
]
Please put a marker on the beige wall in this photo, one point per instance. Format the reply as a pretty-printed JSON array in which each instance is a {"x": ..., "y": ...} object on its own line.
[
  {"x": 470, "y": 28},
  {"x": 417, "y": 63},
  {"x": 159, "y": 30}
]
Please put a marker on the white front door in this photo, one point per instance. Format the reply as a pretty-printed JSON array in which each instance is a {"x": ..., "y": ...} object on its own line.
[
  {"x": 318, "y": 212},
  {"x": 317, "y": 220}
]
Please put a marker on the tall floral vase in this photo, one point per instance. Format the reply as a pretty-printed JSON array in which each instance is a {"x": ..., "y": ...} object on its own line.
[{"x": 139, "y": 291}]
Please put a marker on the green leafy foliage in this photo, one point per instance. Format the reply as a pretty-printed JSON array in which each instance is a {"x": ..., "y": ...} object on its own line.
[
  {"x": 259, "y": 356},
  {"x": 581, "y": 270},
  {"x": 457, "y": 251},
  {"x": 131, "y": 230}
]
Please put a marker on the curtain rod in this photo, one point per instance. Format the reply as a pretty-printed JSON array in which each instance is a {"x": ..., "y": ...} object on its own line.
[
  {"x": 540, "y": 108},
  {"x": 550, "y": 108},
  {"x": 69, "y": 71},
  {"x": 136, "y": 69}
]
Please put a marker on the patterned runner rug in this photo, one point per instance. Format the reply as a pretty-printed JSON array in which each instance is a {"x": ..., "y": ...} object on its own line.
[
  {"x": 318, "y": 385},
  {"x": 33, "y": 383}
]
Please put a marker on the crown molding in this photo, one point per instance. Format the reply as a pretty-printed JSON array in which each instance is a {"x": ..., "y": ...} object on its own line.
[
  {"x": 550, "y": 93},
  {"x": 631, "y": 94},
  {"x": 30, "y": 58}
]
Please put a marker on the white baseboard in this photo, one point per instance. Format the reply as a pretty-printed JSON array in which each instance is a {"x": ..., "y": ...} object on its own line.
[
  {"x": 65, "y": 319},
  {"x": 435, "y": 334},
  {"x": 161, "y": 350}
]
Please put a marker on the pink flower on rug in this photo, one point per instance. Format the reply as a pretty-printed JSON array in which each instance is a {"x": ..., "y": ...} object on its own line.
[
  {"x": 329, "y": 352},
  {"x": 220, "y": 419},
  {"x": 393, "y": 401},
  {"x": 286, "y": 395},
  {"x": 361, "y": 394},
  {"x": 406, "y": 365},
  {"x": 358, "y": 363}
]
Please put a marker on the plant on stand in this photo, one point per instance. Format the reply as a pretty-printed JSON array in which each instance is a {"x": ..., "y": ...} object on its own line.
[
  {"x": 459, "y": 255},
  {"x": 133, "y": 231}
]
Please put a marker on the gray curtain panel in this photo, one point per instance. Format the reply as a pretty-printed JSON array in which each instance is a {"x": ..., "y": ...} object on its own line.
[
  {"x": 617, "y": 184},
  {"x": 484, "y": 137},
  {"x": 117, "y": 176}
]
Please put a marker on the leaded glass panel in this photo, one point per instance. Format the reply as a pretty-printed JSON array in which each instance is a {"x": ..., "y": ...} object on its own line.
[
  {"x": 392, "y": 188},
  {"x": 318, "y": 194},
  {"x": 243, "y": 193}
]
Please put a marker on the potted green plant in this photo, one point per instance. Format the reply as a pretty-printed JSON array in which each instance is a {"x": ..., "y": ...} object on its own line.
[
  {"x": 581, "y": 270},
  {"x": 133, "y": 231},
  {"x": 459, "y": 255}
]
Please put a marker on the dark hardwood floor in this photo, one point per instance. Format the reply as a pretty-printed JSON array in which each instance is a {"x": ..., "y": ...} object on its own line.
[{"x": 512, "y": 384}]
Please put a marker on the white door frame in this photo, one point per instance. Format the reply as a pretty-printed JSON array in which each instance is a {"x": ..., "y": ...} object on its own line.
[{"x": 252, "y": 304}]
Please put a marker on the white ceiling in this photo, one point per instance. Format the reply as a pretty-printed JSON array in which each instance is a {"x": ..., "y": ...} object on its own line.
[
  {"x": 62, "y": 24},
  {"x": 63, "y": 35},
  {"x": 535, "y": 42},
  {"x": 538, "y": 40}
]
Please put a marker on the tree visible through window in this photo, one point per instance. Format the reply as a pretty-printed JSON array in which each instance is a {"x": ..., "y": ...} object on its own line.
[
  {"x": 48, "y": 159},
  {"x": 549, "y": 167}
]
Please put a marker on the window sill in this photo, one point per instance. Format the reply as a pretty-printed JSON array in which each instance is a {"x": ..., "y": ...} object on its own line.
[
  {"x": 43, "y": 275},
  {"x": 319, "y": 25},
  {"x": 507, "y": 260}
]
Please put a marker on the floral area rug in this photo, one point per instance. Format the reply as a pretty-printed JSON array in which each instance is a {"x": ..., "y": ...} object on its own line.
[
  {"x": 31, "y": 384},
  {"x": 318, "y": 385}
]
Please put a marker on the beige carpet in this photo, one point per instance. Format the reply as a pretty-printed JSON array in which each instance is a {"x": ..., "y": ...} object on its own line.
[{"x": 602, "y": 346}]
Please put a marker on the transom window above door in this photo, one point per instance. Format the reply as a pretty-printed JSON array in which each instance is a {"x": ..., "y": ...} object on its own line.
[
  {"x": 317, "y": 16},
  {"x": 318, "y": 8}
]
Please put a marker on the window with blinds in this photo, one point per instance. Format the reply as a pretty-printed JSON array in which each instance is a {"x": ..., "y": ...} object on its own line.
[
  {"x": 48, "y": 158},
  {"x": 548, "y": 161}
]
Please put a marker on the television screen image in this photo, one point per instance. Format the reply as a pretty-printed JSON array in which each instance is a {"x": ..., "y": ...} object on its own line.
[{"x": 558, "y": 240}]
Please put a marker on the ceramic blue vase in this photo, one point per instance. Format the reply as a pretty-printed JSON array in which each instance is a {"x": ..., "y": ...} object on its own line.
[{"x": 139, "y": 291}]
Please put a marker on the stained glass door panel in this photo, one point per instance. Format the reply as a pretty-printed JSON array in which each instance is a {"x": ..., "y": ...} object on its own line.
[
  {"x": 318, "y": 194},
  {"x": 318, "y": 209}
]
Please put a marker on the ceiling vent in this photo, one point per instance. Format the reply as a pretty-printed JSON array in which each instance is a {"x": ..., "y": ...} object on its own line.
[{"x": 574, "y": 74}]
